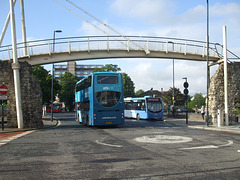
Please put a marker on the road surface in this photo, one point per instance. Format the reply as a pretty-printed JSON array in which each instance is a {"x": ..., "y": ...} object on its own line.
[{"x": 137, "y": 150}]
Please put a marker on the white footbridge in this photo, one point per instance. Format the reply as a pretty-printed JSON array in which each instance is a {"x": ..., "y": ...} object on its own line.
[{"x": 48, "y": 51}]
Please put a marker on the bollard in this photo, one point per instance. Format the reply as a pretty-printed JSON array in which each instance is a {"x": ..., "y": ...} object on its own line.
[
  {"x": 220, "y": 118},
  {"x": 44, "y": 110}
]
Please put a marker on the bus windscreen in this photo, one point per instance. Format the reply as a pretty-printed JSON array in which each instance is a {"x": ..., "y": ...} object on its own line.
[
  {"x": 108, "y": 98},
  {"x": 154, "y": 105}
]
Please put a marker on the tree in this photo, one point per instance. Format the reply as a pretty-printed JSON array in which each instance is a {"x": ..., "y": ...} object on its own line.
[
  {"x": 108, "y": 68},
  {"x": 67, "y": 93},
  {"x": 128, "y": 86},
  {"x": 140, "y": 91},
  {"x": 178, "y": 96},
  {"x": 197, "y": 101},
  {"x": 45, "y": 80}
]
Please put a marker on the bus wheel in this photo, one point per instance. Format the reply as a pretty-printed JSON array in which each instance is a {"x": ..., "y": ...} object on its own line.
[{"x": 138, "y": 117}]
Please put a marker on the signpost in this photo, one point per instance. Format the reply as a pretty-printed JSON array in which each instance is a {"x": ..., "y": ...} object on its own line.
[{"x": 3, "y": 91}]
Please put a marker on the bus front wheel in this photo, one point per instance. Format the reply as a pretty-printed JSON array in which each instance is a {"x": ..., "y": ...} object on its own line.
[{"x": 138, "y": 117}]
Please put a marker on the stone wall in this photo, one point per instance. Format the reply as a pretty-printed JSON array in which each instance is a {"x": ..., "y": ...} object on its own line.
[
  {"x": 31, "y": 94},
  {"x": 216, "y": 92}
]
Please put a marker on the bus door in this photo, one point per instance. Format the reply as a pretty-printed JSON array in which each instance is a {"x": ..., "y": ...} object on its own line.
[{"x": 140, "y": 109}]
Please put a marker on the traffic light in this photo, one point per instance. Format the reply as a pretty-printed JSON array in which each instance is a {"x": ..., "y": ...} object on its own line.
[
  {"x": 185, "y": 85},
  {"x": 185, "y": 91}
]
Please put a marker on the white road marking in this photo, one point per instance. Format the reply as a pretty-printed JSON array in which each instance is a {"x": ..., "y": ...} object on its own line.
[
  {"x": 208, "y": 146},
  {"x": 238, "y": 151},
  {"x": 105, "y": 144},
  {"x": 5, "y": 140},
  {"x": 163, "y": 139},
  {"x": 59, "y": 123},
  {"x": 228, "y": 144}
]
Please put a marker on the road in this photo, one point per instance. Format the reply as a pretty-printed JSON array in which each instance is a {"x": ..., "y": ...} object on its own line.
[{"x": 137, "y": 150}]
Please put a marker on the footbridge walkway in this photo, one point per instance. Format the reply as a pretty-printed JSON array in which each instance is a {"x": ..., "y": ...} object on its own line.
[{"x": 48, "y": 51}]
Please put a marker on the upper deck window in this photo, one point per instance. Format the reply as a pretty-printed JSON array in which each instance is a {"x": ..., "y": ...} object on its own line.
[{"x": 107, "y": 79}]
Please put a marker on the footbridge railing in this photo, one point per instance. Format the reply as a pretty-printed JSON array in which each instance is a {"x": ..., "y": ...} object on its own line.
[{"x": 145, "y": 44}]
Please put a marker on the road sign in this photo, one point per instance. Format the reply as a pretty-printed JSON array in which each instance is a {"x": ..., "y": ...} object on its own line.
[
  {"x": 3, "y": 89},
  {"x": 3, "y": 97}
]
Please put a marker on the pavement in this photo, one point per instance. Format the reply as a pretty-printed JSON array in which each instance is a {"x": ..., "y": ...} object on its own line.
[
  {"x": 47, "y": 123},
  {"x": 194, "y": 123},
  {"x": 198, "y": 123}
]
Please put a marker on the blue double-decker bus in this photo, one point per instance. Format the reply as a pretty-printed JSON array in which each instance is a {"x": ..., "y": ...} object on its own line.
[
  {"x": 99, "y": 99},
  {"x": 144, "y": 108}
]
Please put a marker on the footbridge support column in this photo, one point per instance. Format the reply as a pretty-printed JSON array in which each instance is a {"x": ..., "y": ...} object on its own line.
[
  {"x": 225, "y": 75},
  {"x": 15, "y": 67}
]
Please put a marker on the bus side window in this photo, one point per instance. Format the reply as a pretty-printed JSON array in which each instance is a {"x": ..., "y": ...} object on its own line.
[
  {"x": 126, "y": 106},
  {"x": 134, "y": 106},
  {"x": 139, "y": 106}
]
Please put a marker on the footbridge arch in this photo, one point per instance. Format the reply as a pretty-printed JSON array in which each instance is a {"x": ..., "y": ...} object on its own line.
[{"x": 40, "y": 52}]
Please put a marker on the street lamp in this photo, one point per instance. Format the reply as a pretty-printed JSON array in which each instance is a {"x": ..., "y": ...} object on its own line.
[
  {"x": 208, "y": 75},
  {"x": 56, "y": 31},
  {"x": 173, "y": 98}
]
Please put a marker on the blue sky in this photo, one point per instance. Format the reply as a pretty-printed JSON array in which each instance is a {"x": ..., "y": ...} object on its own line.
[{"x": 168, "y": 18}]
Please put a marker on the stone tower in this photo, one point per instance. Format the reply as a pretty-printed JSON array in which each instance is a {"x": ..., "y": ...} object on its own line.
[
  {"x": 31, "y": 94},
  {"x": 216, "y": 92}
]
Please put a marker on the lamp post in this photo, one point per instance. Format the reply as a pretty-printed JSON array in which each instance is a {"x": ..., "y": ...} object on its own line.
[
  {"x": 207, "y": 116},
  {"x": 57, "y": 31},
  {"x": 173, "y": 94}
]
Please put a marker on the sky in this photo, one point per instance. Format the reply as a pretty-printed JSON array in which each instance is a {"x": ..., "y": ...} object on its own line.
[{"x": 166, "y": 18}]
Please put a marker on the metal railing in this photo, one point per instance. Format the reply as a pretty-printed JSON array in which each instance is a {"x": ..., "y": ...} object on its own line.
[{"x": 108, "y": 43}]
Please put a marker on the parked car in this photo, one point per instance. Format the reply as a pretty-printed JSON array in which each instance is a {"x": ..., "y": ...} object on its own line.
[{"x": 180, "y": 110}]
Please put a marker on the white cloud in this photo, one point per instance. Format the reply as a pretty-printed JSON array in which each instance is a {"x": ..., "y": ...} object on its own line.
[
  {"x": 220, "y": 9},
  {"x": 190, "y": 24},
  {"x": 94, "y": 28},
  {"x": 157, "y": 74},
  {"x": 193, "y": 15},
  {"x": 160, "y": 18},
  {"x": 149, "y": 10}
]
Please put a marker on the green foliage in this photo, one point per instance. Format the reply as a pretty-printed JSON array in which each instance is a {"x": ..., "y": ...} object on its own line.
[
  {"x": 237, "y": 105},
  {"x": 238, "y": 111},
  {"x": 108, "y": 68},
  {"x": 178, "y": 96},
  {"x": 128, "y": 86},
  {"x": 45, "y": 80},
  {"x": 197, "y": 101},
  {"x": 140, "y": 91},
  {"x": 67, "y": 93},
  {"x": 40, "y": 73}
]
